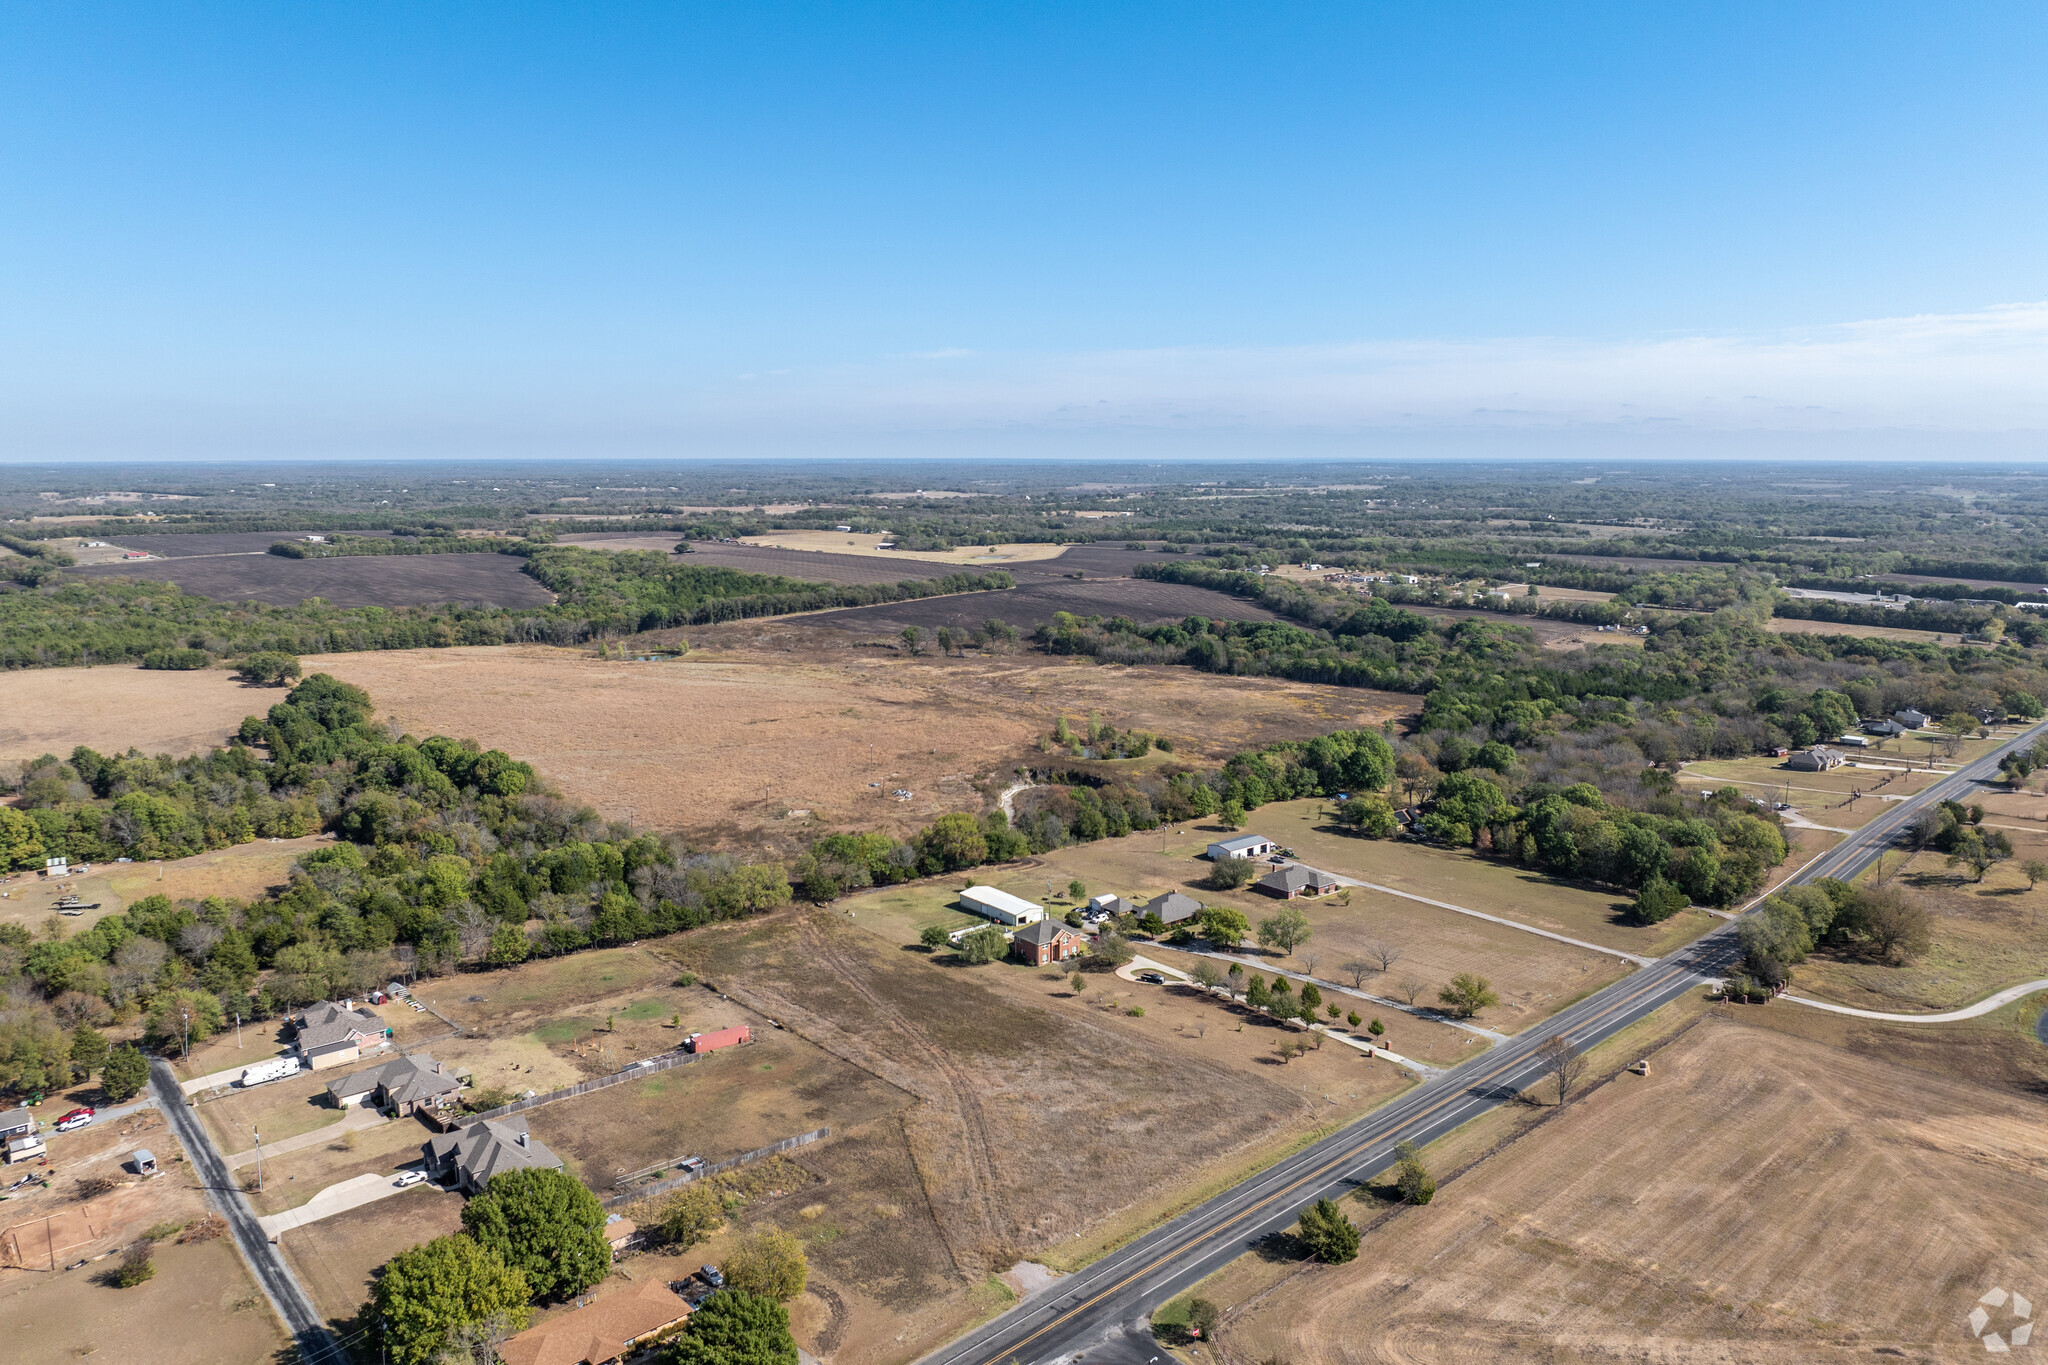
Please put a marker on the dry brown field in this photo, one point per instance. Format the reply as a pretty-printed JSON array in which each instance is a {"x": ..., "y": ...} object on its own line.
[
  {"x": 336, "y": 1259},
  {"x": 856, "y": 543},
  {"x": 241, "y": 872},
  {"x": 201, "y": 1307},
  {"x": 1784, "y": 625},
  {"x": 1759, "y": 1197},
  {"x": 1045, "y": 1124},
  {"x": 730, "y": 739},
  {"x": 118, "y": 707}
]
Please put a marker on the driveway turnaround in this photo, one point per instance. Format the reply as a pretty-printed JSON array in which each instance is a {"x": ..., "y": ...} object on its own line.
[
  {"x": 1985, "y": 1006},
  {"x": 1101, "y": 1310},
  {"x": 316, "y": 1344}
]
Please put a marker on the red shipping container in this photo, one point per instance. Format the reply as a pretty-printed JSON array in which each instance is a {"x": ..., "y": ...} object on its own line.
[{"x": 725, "y": 1037}]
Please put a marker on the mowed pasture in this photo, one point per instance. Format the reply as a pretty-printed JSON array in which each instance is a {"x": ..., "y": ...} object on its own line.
[
  {"x": 1757, "y": 1197},
  {"x": 238, "y": 872},
  {"x": 1986, "y": 936},
  {"x": 870, "y": 545},
  {"x": 337, "y": 1258},
  {"x": 1827, "y": 798},
  {"x": 118, "y": 707},
  {"x": 1462, "y": 878},
  {"x": 483, "y": 579}
]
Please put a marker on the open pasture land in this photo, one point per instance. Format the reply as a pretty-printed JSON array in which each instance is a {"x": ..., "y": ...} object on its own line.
[
  {"x": 1775, "y": 1208},
  {"x": 1550, "y": 634},
  {"x": 337, "y": 1258},
  {"x": 770, "y": 719},
  {"x": 1986, "y": 936},
  {"x": 869, "y": 545},
  {"x": 1041, "y": 1111},
  {"x": 1786, "y": 625},
  {"x": 484, "y": 579},
  {"x": 1458, "y": 877},
  {"x": 239, "y": 872},
  {"x": 1826, "y": 799},
  {"x": 119, "y": 707},
  {"x": 729, "y": 1102},
  {"x": 209, "y": 544},
  {"x": 1033, "y": 602}
]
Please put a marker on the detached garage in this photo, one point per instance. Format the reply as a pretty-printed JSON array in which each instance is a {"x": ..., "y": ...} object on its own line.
[
  {"x": 1243, "y": 846},
  {"x": 1000, "y": 906}
]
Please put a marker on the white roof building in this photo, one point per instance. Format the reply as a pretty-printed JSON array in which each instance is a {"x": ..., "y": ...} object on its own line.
[
  {"x": 1001, "y": 906},
  {"x": 1243, "y": 846}
]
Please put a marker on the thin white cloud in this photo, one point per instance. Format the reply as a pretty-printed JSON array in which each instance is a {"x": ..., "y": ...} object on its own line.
[{"x": 1964, "y": 372}]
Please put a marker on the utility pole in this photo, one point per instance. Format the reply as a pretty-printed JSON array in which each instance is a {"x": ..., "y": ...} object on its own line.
[
  {"x": 238, "y": 1030},
  {"x": 259, "y": 1159},
  {"x": 185, "y": 1052}
]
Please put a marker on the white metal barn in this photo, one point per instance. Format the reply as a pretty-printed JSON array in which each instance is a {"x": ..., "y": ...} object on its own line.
[
  {"x": 1001, "y": 906},
  {"x": 1243, "y": 846}
]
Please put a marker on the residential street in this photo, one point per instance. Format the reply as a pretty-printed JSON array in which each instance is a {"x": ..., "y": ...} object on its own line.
[{"x": 316, "y": 1345}]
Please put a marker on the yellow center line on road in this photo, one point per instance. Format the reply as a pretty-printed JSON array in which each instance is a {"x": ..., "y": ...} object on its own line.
[{"x": 1458, "y": 1096}]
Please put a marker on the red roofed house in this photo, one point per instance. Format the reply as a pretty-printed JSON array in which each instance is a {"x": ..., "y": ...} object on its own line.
[{"x": 605, "y": 1330}]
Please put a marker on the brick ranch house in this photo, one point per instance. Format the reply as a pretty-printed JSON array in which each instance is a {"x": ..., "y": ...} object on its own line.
[{"x": 1038, "y": 945}]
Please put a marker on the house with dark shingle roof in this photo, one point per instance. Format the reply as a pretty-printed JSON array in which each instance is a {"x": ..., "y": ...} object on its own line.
[
  {"x": 469, "y": 1157},
  {"x": 334, "y": 1035},
  {"x": 403, "y": 1085},
  {"x": 1295, "y": 880},
  {"x": 1173, "y": 907}
]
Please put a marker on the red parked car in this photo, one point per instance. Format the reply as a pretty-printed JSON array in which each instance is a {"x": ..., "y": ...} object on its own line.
[{"x": 77, "y": 1118}]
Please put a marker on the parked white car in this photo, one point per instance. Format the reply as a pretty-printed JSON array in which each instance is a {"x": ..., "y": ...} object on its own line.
[{"x": 406, "y": 1178}]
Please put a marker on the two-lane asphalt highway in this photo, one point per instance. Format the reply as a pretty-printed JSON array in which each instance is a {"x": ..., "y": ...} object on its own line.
[{"x": 1101, "y": 1310}]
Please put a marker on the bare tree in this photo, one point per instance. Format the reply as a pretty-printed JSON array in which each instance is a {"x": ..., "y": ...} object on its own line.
[
  {"x": 1565, "y": 1064},
  {"x": 1411, "y": 988},
  {"x": 477, "y": 1341},
  {"x": 1358, "y": 971},
  {"x": 1384, "y": 953},
  {"x": 1308, "y": 962}
]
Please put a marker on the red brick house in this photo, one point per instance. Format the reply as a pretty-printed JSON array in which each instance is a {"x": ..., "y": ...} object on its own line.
[{"x": 1045, "y": 942}]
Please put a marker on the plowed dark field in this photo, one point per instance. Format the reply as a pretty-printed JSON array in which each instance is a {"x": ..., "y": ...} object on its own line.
[
  {"x": 356, "y": 581},
  {"x": 1030, "y": 604}
]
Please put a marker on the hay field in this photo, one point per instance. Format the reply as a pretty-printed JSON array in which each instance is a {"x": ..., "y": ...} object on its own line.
[
  {"x": 692, "y": 744},
  {"x": 118, "y": 707},
  {"x": 858, "y": 543},
  {"x": 1757, "y": 1198},
  {"x": 1462, "y": 878}
]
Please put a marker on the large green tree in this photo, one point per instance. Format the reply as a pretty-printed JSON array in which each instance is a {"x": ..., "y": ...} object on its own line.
[
  {"x": 124, "y": 1073},
  {"x": 544, "y": 1224},
  {"x": 1285, "y": 929},
  {"x": 1328, "y": 1234},
  {"x": 424, "y": 1296},
  {"x": 735, "y": 1328},
  {"x": 767, "y": 1262}
]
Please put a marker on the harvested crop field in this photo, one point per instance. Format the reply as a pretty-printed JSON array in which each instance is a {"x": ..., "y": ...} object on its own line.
[
  {"x": 691, "y": 744},
  {"x": 117, "y": 707},
  {"x": 484, "y": 579},
  {"x": 868, "y": 543},
  {"x": 1032, "y": 604},
  {"x": 1757, "y": 1198}
]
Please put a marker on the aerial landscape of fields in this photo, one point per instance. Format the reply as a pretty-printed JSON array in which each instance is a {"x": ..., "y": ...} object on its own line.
[{"x": 1137, "y": 685}]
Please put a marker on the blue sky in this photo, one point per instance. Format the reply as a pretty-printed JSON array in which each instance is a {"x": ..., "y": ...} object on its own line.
[{"x": 327, "y": 229}]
